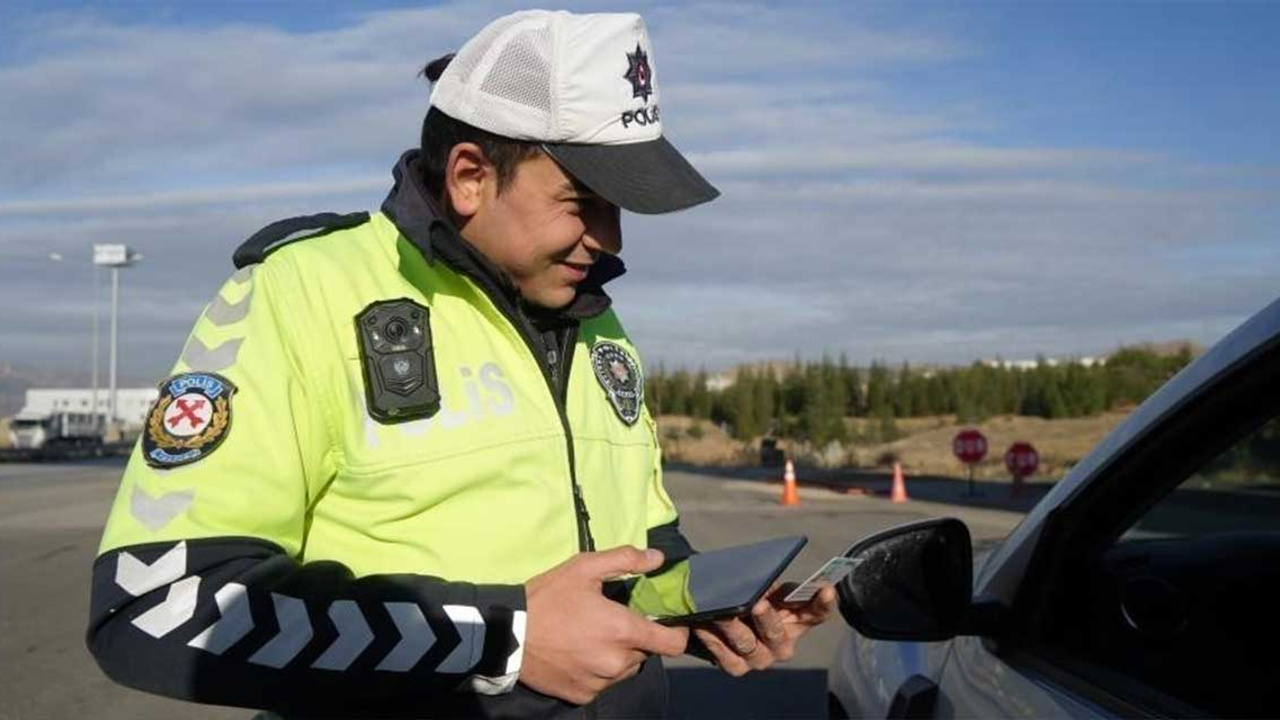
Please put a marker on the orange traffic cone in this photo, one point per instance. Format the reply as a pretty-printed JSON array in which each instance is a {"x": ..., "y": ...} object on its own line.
[
  {"x": 899, "y": 494},
  {"x": 789, "y": 494}
]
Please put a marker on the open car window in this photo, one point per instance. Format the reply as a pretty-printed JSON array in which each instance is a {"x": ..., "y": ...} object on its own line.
[
  {"x": 1181, "y": 604},
  {"x": 1186, "y": 597},
  {"x": 1238, "y": 491}
]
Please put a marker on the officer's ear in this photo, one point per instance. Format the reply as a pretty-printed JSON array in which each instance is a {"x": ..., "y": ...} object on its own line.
[{"x": 469, "y": 178}]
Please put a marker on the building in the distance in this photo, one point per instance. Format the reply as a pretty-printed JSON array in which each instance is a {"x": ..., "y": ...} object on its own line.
[
  {"x": 132, "y": 404},
  {"x": 1086, "y": 361}
]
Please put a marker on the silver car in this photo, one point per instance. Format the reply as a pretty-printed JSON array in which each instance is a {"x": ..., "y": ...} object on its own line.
[{"x": 1145, "y": 583}]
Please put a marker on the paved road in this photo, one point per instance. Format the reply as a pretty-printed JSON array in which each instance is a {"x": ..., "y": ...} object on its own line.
[{"x": 51, "y": 517}]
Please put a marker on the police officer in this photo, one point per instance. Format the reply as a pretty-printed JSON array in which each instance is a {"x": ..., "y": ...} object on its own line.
[{"x": 401, "y": 452}]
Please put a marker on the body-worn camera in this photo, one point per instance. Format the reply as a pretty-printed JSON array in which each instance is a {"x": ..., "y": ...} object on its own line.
[{"x": 398, "y": 362}]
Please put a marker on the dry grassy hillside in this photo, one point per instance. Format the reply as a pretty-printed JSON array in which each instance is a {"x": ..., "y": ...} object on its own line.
[{"x": 923, "y": 449}]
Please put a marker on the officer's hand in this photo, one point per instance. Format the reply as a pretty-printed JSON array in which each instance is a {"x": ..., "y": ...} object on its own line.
[
  {"x": 578, "y": 642},
  {"x": 769, "y": 634}
]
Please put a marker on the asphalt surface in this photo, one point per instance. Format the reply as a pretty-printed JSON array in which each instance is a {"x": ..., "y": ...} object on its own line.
[{"x": 51, "y": 519}]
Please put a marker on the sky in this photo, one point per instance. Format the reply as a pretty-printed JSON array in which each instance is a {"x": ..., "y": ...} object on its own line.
[{"x": 930, "y": 182}]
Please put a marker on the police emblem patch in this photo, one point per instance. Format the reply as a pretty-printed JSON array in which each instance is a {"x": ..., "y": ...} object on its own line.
[
  {"x": 619, "y": 375},
  {"x": 639, "y": 73},
  {"x": 189, "y": 420}
]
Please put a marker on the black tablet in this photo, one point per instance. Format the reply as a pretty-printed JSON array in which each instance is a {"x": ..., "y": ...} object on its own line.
[{"x": 715, "y": 584}]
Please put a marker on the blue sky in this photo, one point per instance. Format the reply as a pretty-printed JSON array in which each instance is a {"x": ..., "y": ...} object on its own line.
[{"x": 933, "y": 182}]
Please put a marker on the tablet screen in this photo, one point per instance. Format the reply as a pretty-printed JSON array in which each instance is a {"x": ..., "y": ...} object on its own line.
[{"x": 716, "y": 583}]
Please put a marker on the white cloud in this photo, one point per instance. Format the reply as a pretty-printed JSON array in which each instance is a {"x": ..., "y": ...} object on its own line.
[
  {"x": 936, "y": 156},
  {"x": 850, "y": 220},
  {"x": 188, "y": 198}
]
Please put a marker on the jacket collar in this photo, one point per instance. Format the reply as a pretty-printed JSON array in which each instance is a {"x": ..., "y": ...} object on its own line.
[{"x": 415, "y": 215}]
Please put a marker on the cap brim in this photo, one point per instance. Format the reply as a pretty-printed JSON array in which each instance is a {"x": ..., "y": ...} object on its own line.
[{"x": 647, "y": 177}]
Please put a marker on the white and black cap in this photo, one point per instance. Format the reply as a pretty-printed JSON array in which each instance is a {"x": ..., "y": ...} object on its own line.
[{"x": 585, "y": 87}]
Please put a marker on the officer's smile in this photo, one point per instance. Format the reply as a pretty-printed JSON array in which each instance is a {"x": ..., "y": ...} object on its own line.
[{"x": 577, "y": 271}]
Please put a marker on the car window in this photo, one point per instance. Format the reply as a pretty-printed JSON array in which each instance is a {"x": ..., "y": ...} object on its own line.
[
  {"x": 1238, "y": 491},
  {"x": 1181, "y": 600}
]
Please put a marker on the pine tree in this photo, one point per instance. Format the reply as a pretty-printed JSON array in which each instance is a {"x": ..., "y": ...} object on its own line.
[
  {"x": 743, "y": 413},
  {"x": 793, "y": 390},
  {"x": 677, "y": 393},
  {"x": 879, "y": 399},
  {"x": 700, "y": 397},
  {"x": 852, "y": 380},
  {"x": 765, "y": 392},
  {"x": 904, "y": 402},
  {"x": 653, "y": 391}
]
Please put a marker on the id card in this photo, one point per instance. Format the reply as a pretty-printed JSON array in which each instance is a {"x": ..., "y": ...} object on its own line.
[{"x": 832, "y": 572}]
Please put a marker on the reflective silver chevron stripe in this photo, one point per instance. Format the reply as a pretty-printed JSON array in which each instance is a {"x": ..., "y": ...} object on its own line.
[
  {"x": 138, "y": 578},
  {"x": 519, "y": 623},
  {"x": 295, "y": 633},
  {"x": 201, "y": 358},
  {"x": 416, "y": 637},
  {"x": 354, "y": 636},
  {"x": 499, "y": 684},
  {"x": 469, "y": 623},
  {"x": 220, "y": 312},
  {"x": 243, "y": 275},
  {"x": 155, "y": 513},
  {"x": 235, "y": 622},
  {"x": 178, "y": 607}
]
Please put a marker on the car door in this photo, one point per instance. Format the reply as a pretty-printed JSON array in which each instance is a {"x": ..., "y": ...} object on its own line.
[{"x": 1145, "y": 584}]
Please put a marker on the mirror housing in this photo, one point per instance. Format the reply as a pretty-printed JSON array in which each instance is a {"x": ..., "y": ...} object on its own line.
[{"x": 913, "y": 582}]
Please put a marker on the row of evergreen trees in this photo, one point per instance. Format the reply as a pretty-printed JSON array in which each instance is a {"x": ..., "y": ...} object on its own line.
[{"x": 811, "y": 400}]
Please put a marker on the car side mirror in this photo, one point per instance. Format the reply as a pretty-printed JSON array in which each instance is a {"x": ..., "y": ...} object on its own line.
[{"x": 913, "y": 582}]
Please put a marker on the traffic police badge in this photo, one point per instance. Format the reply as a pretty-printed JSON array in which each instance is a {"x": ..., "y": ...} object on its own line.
[
  {"x": 399, "y": 365},
  {"x": 640, "y": 74},
  {"x": 620, "y": 377},
  {"x": 189, "y": 420}
]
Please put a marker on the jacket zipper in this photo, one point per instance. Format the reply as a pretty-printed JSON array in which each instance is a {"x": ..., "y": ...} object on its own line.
[{"x": 586, "y": 543}]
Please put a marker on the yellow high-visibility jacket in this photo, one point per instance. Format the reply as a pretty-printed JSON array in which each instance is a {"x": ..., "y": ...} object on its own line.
[{"x": 273, "y": 544}]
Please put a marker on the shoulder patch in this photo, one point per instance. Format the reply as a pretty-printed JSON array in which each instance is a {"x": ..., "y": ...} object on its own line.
[
  {"x": 189, "y": 420},
  {"x": 619, "y": 375},
  {"x": 283, "y": 232}
]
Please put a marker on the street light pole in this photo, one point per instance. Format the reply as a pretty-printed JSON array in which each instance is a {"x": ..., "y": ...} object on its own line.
[
  {"x": 115, "y": 313},
  {"x": 97, "y": 295},
  {"x": 114, "y": 257}
]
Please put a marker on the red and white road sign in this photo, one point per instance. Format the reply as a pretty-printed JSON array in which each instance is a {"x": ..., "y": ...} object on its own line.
[
  {"x": 1022, "y": 459},
  {"x": 970, "y": 446}
]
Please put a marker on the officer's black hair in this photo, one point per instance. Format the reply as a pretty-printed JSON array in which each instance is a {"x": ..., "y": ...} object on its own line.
[{"x": 441, "y": 132}]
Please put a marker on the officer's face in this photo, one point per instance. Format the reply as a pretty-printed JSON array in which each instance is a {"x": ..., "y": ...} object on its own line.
[{"x": 544, "y": 230}]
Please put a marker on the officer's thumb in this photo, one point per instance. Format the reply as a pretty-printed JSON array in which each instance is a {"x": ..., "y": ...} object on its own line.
[{"x": 625, "y": 560}]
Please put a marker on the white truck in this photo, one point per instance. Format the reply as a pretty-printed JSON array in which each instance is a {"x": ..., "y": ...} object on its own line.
[{"x": 52, "y": 432}]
